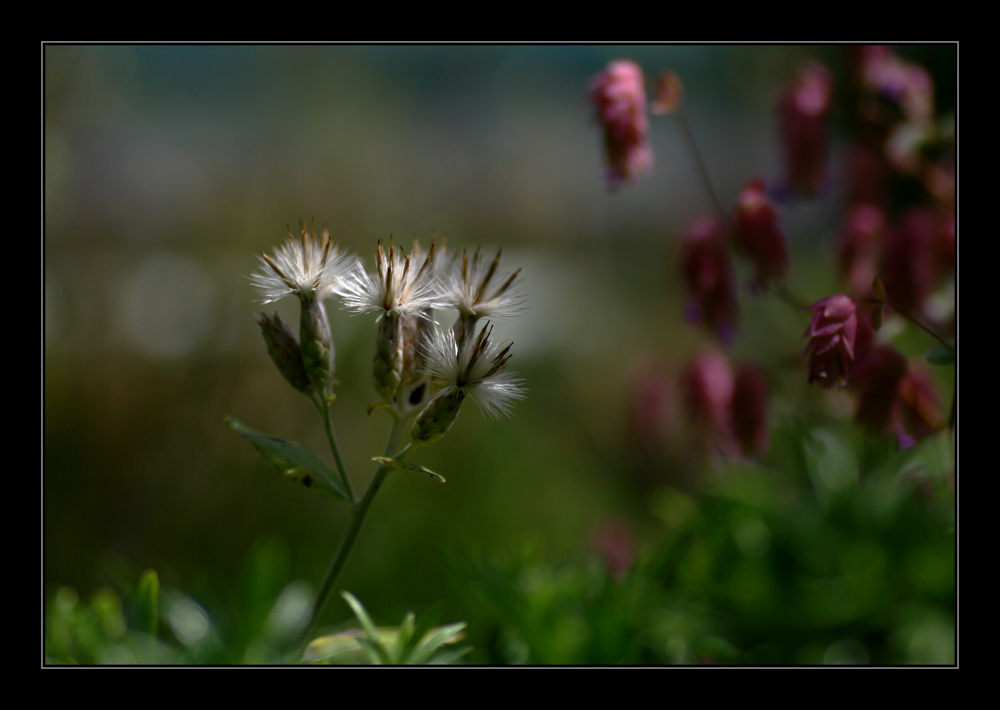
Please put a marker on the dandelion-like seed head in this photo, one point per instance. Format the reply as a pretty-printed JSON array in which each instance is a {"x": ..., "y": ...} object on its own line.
[
  {"x": 476, "y": 369},
  {"x": 307, "y": 266},
  {"x": 403, "y": 285},
  {"x": 478, "y": 290}
]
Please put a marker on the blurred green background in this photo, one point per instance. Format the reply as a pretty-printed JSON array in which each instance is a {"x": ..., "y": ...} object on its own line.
[{"x": 168, "y": 168}]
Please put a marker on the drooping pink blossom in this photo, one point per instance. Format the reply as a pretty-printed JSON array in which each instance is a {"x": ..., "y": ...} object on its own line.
[
  {"x": 619, "y": 95},
  {"x": 759, "y": 233},
  {"x": 859, "y": 246},
  {"x": 831, "y": 340},
  {"x": 707, "y": 385},
  {"x": 805, "y": 125},
  {"x": 709, "y": 279}
]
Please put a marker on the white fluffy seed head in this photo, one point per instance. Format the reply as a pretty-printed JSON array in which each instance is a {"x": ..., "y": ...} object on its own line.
[
  {"x": 477, "y": 289},
  {"x": 477, "y": 368},
  {"x": 306, "y": 266},
  {"x": 402, "y": 285}
]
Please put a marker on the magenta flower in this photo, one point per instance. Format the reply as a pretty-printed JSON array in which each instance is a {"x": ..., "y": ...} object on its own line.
[
  {"x": 805, "y": 119},
  {"x": 831, "y": 340},
  {"x": 619, "y": 94},
  {"x": 759, "y": 233},
  {"x": 707, "y": 385},
  {"x": 708, "y": 278}
]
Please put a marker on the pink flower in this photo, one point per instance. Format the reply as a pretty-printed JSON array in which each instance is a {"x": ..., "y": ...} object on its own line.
[
  {"x": 859, "y": 248},
  {"x": 708, "y": 277},
  {"x": 707, "y": 385},
  {"x": 805, "y": 119},
  {"x": 831, "y": 340},
  {"x": 759, "y": 233},
  {"x": 895, "y": 398},
  {"x": 619, "y": 94}
]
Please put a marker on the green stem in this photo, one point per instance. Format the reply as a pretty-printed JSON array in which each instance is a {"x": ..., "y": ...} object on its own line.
[
  {"x": 359, "y": 511},
  {"x": 924, "y": 328},
  {"x": 706, "y": 181},
  {"x": 341, "y": 468}
]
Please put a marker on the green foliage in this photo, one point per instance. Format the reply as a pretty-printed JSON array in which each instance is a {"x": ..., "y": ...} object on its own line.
[
  {"x": 845, "y": 555},
  {"x": 153, "y": 625},
  {"x": 408, "y": 644}
]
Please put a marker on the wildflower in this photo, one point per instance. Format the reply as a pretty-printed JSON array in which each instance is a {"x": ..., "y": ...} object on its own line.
[
  {"x": 307, "y": 267},
  {"x": 403, "y": 287},
  {"x": 311, "y": 268},
  {"x": 759, "y": 233},
  {"x": 831, "y": 340},
  {"x": 877, "y": 382},
  {"x": 475, "y": 369},
  {"x": 859, "y": 247},
  {"x": 708, "y": 277},
  {"x": 908, "y": 260},
  {"x": 402, "y": 284},
  {"x": 805, "y": 118},
  {"x": 895, "y": 397},
  {"x": 707, "y": 384},
  {"x": 619, "y": 95},
  {"x": 476, "y": 289}
]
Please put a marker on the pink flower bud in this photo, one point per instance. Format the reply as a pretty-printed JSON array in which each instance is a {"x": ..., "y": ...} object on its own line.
[
  {"x": 805, "y": 119},
  {"x": 707, "y": 385},
  {"x": 860, "y": 245},
  {"x": 759, "y": 234},
  {"x": 619, "y": 95},
  {"x": 908, "y": 260},
  {"x": 708, "y": 277},
  {"x": 877, "y": 381},
  {"x": 831, "y": 340}
]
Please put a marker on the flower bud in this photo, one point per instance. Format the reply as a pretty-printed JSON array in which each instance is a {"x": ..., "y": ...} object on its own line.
[
  {"x": 387, "y": 365},
  {"x": 832, "y": 335},
  {"x": 707, "y": 384},
  {"x": 437, "y": 417},
  {"x": 759, "y": 233},
  {"x": 708, "y": 277},
  {"x": 619, "y": 95},
  {"x": 877, "y": 381},
  {"x": 805, "y": 118},
  {"x": 283, "y": 347},
  {"x": 316, "y": 344},
  {"x": 859, "y": 247}
]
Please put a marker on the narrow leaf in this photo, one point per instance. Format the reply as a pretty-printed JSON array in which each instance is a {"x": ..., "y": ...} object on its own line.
[
  {"x": 407, "y": 466},
  {"x": 149, "y": 600},
  {"x": 373, "y": 641},
  {"x": 293, "y": 461}
]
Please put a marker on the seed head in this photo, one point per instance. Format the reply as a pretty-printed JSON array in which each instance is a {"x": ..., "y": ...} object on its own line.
[{"x": 306, "y": 266}]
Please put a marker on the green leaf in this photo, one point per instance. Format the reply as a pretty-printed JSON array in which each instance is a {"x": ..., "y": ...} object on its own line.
[
  {"x": 940, "y": 354},
  {"x": 148, "y": 595},
  {"x": 407, "y": 466},
  {"x": 292, "y": 460},
  {"x": 432, "y": 642},
  {"x": 372, "y": 643}
]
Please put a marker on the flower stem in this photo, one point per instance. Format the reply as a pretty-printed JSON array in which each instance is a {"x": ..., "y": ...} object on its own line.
[
  {"x": 359, "y": 511},
  {"x": 706, "y": 181},
  {"x": 341, "y": 468}
]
